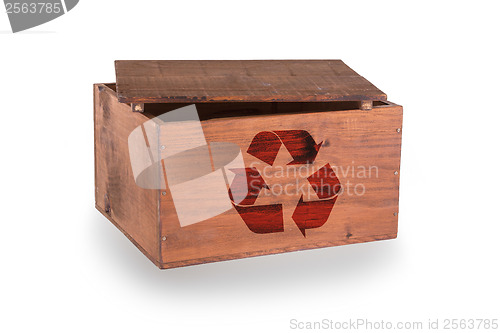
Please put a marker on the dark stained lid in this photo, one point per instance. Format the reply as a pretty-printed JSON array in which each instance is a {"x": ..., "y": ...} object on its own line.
[{"x": 201, "y": 81}]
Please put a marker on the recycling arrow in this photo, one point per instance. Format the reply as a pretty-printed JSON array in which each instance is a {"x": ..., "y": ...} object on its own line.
[
  {"x": 248, "y": 183},
  {"x": 312, "y": 214},
  {"x": 265, "y": 146},
  {"x": 325, "y": 182},
  {"x": 246, "y": 186},
  {"x": 299, "y": 143},
  {"x": 262, "y": 219}
]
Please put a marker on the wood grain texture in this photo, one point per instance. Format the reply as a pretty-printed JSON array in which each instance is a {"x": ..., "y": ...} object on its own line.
[
  {"x": 351, "y": 138},
  {"x": 202, "y": 81},
  {"x": 336, "y": 134},
  {"x": 255, "y": 253},
  {"x": 132, "y": 209}
]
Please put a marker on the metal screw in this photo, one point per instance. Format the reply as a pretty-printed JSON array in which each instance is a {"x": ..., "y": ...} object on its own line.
[
  {"x": 398, "y": 130},
  {"x": 395, "y": 213},
  {"x": 164, "y": 238},
  {"x": 162, "y": 147},
  {"x": 396, "y": 173},
  {"x": 163, "y": 193}
]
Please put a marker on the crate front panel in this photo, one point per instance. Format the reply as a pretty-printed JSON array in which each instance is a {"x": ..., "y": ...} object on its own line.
[{"x": 361, "y": 147}]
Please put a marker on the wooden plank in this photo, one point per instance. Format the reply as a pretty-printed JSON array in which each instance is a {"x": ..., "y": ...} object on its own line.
[
  {"x": 255, "y": 253},
  {"x": 132, "y": 209},
  {"x": 165, "y": 81},
  {"x": 352, "y": 141}
]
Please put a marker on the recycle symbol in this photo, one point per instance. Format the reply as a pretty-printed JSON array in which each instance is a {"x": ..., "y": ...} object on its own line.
[{"x": 263, "y": 219}]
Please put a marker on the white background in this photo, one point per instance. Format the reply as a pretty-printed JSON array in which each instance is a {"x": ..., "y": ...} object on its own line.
[{"x": 65, "y": 268}]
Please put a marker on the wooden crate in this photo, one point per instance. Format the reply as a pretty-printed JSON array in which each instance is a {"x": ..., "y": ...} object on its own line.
[{"x": 315, "y": 129}]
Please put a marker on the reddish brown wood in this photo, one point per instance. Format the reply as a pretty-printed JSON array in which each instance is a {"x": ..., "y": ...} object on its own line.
[
  {"x": 325, "y": 182},
  {"x": 137, "y": 107},
  {"x": 321, "y": 136},
  {"x": 247, "y": 182},
  {"x": 262, "y": 219},
  {"x": 132, "y": 209},
  {"x": 202, "y": 81},
  {"x": 368, "y": 138},
  {"x": 312, "y": 214}
]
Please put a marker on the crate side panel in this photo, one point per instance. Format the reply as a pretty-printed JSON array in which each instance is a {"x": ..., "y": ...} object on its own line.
[{"x": 132, "y": 209}]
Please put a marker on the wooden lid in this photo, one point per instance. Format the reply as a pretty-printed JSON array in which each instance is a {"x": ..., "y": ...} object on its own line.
[{"x": 201, "y": 81}]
